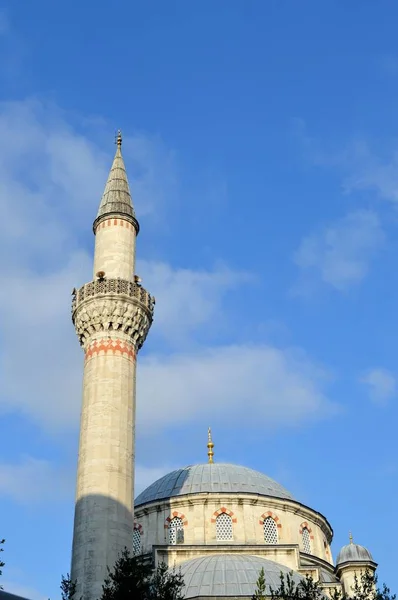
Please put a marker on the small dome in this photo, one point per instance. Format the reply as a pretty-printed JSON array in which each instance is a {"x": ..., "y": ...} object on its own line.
[
  {"x": 212, "y": 478},
  {"x": 353, "y": 553},
  {"x": 229, "y": 575}
]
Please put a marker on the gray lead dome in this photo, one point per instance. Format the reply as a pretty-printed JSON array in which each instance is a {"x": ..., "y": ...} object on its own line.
[
  {"x": 229, "y": 575},
  {"x": 212, "y": 478},
  {"x": 353, "y": 553}
]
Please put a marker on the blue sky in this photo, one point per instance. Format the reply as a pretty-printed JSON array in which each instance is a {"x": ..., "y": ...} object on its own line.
[{"x": 260, "y": 139}]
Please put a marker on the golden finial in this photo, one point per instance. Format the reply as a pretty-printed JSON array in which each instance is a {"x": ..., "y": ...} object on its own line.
[
  {"x": 118, "y": 138},
  {"x": 210, "y": 447},
  {"x": 350, "y": 536}
]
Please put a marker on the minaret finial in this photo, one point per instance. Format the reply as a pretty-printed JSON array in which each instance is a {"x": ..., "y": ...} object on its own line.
[
  {"x": 210, "y": 447},
  {"x": 119, "y": 138},
  {"x": 351, "y": 539}
]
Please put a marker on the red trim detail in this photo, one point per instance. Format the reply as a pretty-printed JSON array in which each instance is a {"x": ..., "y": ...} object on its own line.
[{"x": 114, "y": 346}]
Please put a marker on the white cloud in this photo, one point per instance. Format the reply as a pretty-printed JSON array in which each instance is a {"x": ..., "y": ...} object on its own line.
[
  {"x": 381, "y": 384},
  {"x": 38, "y": 340},
  {"x": 52, "y": 176},
  {"x": 23, "y": 591},
  {"x": 360, "y": 167},
  {"x": 388, "y": 64},
  {"x": 339, "y": 255},
  {"x": 49, "y": 482},
  {"x": 242, "y": 383},
  {"x": 185, "y": 298},
  {"x": 4, "y": 24},
  {"x": 50, "y": 183},
  {"x": 33, "y": 480},
  {"x": 366, "y": 171},
  {"x": 144, "y": 476},
  {"x": 152, "y": 169},
  {"x": 51, "y": 179}
]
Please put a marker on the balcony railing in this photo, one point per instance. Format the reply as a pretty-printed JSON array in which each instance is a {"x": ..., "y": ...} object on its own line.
[{"x": 105, "y": 287}]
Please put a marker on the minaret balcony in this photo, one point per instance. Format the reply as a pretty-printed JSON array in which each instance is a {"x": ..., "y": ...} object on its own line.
[{"x": 115, "y": 305}]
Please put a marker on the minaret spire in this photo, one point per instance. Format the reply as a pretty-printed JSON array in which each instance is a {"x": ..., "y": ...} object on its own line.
[
  {"x": 210, "y": 447},
  {"x": 116, "y": 199}
]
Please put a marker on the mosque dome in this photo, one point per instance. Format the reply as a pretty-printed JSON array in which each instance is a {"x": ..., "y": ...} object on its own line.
[
  {"x": 354, "y": 553},
  {"x": 212, "y": 478},
  {"x": 229, "y": 575}
]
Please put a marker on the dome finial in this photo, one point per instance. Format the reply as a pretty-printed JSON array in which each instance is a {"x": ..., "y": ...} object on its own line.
[
  {"x": 210, "y": 447},
  {"x": 119, "y": 138},
  {"x": 351, "y": 538}
]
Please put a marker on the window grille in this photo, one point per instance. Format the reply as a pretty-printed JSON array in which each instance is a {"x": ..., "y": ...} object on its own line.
[
  {"x": 306, "y": 541},
  {"x": 176, "y": 531},
  {"x": 270, "y": 531},
  {"x": 136, "y": 542},
  {"x": 224, "y": 527}
]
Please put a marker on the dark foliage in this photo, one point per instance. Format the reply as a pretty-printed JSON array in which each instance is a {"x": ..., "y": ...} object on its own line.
[
  {"x": 365, "y": 588},
  {"x": 165, "y": 584},
  {"x": 306, "y": 589},
  {"x": 68, "y": 588},
  {"x": 259, "y": 594},
  {"x": 132, "y": 579}
]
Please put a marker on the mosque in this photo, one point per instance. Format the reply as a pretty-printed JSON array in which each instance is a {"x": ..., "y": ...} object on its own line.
[
  {"x": 222, "y": 523},
  {"x": 218, "y": 523}
]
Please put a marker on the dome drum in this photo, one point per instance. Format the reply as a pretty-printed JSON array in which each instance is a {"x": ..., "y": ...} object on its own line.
[{"x": 238, "y": 517}]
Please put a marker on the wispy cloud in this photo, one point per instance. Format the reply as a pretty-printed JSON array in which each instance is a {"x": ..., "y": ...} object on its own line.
[
  {"x": 388, "y": 64},
  {"x": 49, "y": 482},
  {"x": 381, "y": 384},
  {"x": 51, "y": 178},
  {"x": 144, "y": 476},
  {"x": 187, "y": 298},
  {"x": 24, "y": 591},
  {"x": 369, "y": 172},
  {"x": 250, "y": 383},
  {"x": 359, "y": 166},
  {"x": 33, "y": 480},
  {"x": 45, "y": 349},
  {"x": 339, "y": 254},
  {"x": 4, "y": 23}
]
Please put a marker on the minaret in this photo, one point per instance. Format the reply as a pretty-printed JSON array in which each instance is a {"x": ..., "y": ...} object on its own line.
[{"x": 112, "y": 315}]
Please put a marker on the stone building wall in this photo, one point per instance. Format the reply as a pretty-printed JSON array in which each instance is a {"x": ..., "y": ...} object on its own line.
[{"x": 199, "y": 513}]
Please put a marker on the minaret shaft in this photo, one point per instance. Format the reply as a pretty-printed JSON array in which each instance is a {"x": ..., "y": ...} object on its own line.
[
  {"x": 115, "y": 248},
  {"x": 104, "y": 495},
  {"x": 112, "y": 316}
]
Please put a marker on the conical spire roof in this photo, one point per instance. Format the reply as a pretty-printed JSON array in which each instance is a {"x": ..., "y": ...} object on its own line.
[{"x": 116, "y": 199}]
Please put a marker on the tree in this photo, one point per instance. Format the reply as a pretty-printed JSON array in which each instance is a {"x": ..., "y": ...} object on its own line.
[
  {"x": 132, "y": 578},
  {"x": 259, "y": 593},
  {"x": 306, "y": 589},
  {"x": 68, "y": 588},
  {"x": 365, "y": 588},
  {"x": 165, "y": 584},
  {"x": 1, "y": 562}
]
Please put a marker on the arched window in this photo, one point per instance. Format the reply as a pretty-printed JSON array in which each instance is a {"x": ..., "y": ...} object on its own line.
[
  {"x": 306, "y": 541},
  {"x": 176, "y": 531},
  {"x": 224, "y": 527},
  {"x": 270, "y": 531},
  {"x": 136, "y": 542}
]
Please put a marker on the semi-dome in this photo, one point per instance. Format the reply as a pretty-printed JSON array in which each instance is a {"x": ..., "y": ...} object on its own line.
[
  {"x": 353, "y": 553},
  {"x": 229, "y": 575},
  {"x": 212, "y": 478}
]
